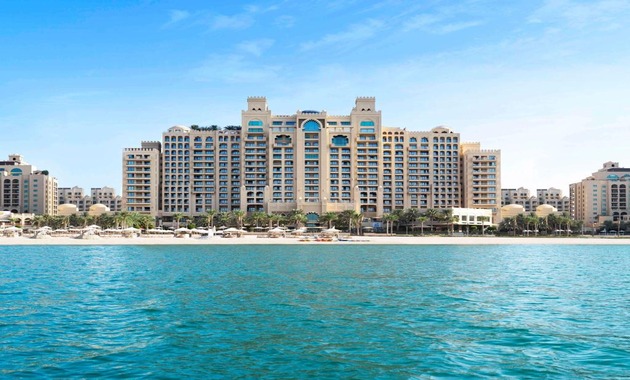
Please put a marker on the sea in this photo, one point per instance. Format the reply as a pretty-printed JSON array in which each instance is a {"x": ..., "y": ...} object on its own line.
[{"x": 315, "y": 311}]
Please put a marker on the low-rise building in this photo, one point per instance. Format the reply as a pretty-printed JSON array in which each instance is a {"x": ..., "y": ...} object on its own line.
[{"x": 98, "y": 195}]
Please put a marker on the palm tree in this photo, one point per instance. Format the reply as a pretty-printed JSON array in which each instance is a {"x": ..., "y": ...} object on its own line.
[
  {"x": 209, "y": 217},
  {"x": 422, "y": 219},
  {"x": 177, "y": 217},
  {"x": 433, "y": 215},
  {"x": 357, "y": 219},
  {"x": 297, "y": 217},
  {"x": 277, "y": 218},
  {"x": 447, "y": 216},
  {"x": 388, "y": 218},
  {"x": 328, "y": 218},
  {"x": 258, "y": 217},
  {"x": 238, "y": 216},
  {"x": 409, "y": 216},
  {"x": 37, "y": 221}
]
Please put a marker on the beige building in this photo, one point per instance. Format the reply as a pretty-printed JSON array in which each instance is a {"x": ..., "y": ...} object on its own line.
[
  {"x": 25, "y": 189},
  {"x": 316, "y": 162},
  {"x": 601, "y": 196},
  {"x": 481, "y": 177},
  {"x": 141, "y": 178},
  {"x": 98, "y": 195},
  {"x": 523, "y": 197}
]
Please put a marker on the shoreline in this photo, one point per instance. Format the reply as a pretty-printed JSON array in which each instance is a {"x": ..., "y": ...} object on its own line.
[{"x": 364, "y": 240}]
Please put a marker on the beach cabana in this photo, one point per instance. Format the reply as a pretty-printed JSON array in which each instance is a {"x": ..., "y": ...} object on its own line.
[
  {"x": 130, "y": 232},
  {"x": 331, "y": 232},
  {"x": 182, "y": 232},
  {"x": 276, "y": 233},
  {"x": 12, "y": 231},
  {"x": 42, "y": 233},
  {"x": 232, "y": 232}
]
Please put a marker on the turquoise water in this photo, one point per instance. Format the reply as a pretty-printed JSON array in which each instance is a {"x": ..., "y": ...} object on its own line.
[{"x": 364, "y": 312}]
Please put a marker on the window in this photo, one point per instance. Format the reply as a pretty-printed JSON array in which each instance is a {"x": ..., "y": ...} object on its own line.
[{"x": 255, "y": 123}]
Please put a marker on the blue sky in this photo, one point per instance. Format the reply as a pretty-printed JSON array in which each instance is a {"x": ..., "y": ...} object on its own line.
[{"x": 547, "y": 81}]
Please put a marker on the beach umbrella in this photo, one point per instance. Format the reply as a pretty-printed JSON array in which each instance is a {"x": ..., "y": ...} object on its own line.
[
  {"x": 183, "y": 229},
  {"x": 94, "y": 226}
]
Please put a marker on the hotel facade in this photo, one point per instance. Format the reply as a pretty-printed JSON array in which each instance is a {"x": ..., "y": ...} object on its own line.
[
  {"x": 311, "y": 161},
  {"x": 26, "y": 190},
  {"x": 602, "y": 196}
]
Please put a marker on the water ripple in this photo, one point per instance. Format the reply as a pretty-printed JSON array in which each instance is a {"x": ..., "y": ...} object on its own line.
[{"x": 400, "y": 312}]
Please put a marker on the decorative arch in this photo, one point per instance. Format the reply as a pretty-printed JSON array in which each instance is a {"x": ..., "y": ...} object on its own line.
[
  {"x": 340, "y": 140},
  {"x": 311, "y": 126}
]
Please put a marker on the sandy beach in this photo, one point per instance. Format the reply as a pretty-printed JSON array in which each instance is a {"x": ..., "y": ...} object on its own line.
[{"x": 252, "y": 239}]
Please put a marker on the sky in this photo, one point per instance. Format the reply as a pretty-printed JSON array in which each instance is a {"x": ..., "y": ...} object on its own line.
[{"x": 545, "y": 81}]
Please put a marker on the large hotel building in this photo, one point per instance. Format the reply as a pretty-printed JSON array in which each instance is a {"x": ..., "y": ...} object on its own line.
[{"x": 311, "y": 161}]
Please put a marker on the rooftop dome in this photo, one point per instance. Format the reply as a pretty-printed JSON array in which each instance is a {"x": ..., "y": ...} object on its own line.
[
  {"x": 513, "y": 206},
  {"x": 98, "y": 209},
  {"x": 544, "y": 210},
  {"x": 67, "y": 209}
]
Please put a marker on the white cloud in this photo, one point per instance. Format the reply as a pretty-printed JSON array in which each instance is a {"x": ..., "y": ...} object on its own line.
[
  {"x": 421, "y": 21},
  {"x": 238, "y": 21},
  {"x": 433, "y": 23},
  {"x": 234, "y": 69},
  {"x": 285, "y": 21},
  {"x": 176, "y": 16},
  {"x": 582, "y": 14},
  {"x": 455, "y": 27},
  {"x": 255, "y": 47},
  {"x": 355, "y": 33}
]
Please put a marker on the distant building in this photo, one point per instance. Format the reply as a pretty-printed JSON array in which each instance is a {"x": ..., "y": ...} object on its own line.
[
  {"x": 98, "y": 195},
  {"x": 25, "y": 189},
  {"x": 530, "y": 203},
  {"x": 602, "y": 196}
]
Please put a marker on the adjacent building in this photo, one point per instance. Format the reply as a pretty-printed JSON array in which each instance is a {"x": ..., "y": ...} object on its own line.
[
  {"x": 601, "y": 196},
  {"x": 25, "y": 189},
  {"x": 309, "y": 160},
  {"x": 141, "y": 180}
]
